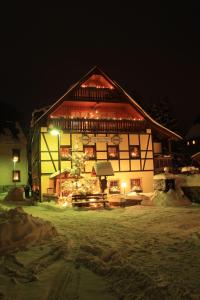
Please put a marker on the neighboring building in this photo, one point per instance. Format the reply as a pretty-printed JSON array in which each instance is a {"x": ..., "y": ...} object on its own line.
[
  {"x": 13, "y": 156},
  {"x": 193, "y": 139},
  {"x": 196, "y": 159},
  {"x": 107, "y": 124}
]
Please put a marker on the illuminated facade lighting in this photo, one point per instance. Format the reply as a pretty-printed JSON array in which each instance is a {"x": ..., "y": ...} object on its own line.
[{"x": 123, "y": 185}]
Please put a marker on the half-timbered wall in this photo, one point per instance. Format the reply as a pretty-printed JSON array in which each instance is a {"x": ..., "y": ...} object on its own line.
[{"x": 134, "y": 155}]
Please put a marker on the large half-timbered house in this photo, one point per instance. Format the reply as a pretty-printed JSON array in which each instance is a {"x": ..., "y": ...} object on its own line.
[{"x": 109, "y": 125}]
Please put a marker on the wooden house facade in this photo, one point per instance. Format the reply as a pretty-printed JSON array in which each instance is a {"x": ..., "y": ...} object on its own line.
[{"x": 106, "y": 123}]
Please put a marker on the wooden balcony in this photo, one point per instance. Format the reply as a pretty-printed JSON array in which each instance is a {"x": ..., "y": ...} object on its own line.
[
  {"x": 97, "y": 126},
  {"x": 94, "y": 94}
]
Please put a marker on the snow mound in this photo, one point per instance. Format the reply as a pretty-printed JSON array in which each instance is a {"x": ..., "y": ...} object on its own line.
[
  {"x": 19, "y": 230},
  {"x": 170, "y": 198},
  {"x": 14, "y": 194}
]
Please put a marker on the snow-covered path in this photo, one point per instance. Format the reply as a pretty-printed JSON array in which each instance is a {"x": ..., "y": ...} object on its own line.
[{"x": 126, "y": 253}]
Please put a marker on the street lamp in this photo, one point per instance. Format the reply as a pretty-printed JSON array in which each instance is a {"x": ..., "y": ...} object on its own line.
[
  {"x": 124, "y": 186},
  {"x": 56, "y": 132}
]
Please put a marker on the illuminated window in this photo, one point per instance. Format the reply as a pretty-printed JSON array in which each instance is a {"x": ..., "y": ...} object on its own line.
[
  {"x": 90, "y": 151},
  {"x": 16, "y": 176},
  {"x": 193, "y": 142},
  {"x": 114, "y": 187},
  {"x": 113, "y": 152},
  {"x": 134, "y": 152},
  {"x": 65, "y": 153},
  {"x": 136, "y": 185},
  {"x": 16, "y": 155}
]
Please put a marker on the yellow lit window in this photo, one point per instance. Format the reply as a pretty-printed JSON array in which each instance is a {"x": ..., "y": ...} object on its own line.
[
  {"x": 90, "y": 151},
  {"x": 134, "y": 152},
  {"x": 136, "y": 185},
  {"x": 16, "y": 176},
  {"x": 65, "y": 152},
  {"x": 114, "y": 187},
  {"x": 113, "y": 152}
]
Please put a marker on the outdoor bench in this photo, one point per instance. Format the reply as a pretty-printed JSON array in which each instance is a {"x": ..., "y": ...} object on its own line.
[{"x": 87, "y": 199}]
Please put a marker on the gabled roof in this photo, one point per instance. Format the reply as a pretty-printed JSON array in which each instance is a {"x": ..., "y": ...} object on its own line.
[
  {"x": 196, "y": 155},
  {"x": 124, "y": 97}
]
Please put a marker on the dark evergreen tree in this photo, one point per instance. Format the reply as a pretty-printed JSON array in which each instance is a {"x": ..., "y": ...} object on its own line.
[
  {"x": 8, "y": 118},
  {"x": 162, "y": 112}
]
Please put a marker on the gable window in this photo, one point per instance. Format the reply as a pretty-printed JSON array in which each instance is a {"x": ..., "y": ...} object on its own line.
[
  {"x": 114, "y": 187},
  {"x": 113, "y": 152},
  {"x": 136, "y": 185},
  {"x": 90, "y": 151},
  {"x": 134, "y": 152},
  {"x": 16, "y": 155},
  {"x": 65, "y": 153},
  {"x": 16, "y": 176}
]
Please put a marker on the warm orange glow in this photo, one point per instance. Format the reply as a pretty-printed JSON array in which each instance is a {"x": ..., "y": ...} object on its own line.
[
  {"x": 16, "y": 175},
  {"x": 123, "y": 184},
  {"x": 94, "y": 110},
  {"x": 97, "y": 81}
]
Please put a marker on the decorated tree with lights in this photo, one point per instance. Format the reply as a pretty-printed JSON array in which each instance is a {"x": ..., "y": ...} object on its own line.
[
  {"x": 78, "y": 164},
  {"x": 76, "y": 182}
]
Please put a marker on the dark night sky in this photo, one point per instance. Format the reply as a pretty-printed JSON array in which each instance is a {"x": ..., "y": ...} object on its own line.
[{"x": 151, "y": 51}]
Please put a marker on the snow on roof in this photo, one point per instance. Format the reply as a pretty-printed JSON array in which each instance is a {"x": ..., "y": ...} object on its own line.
[
  {"x": 196, "y": 155},
  {"x": 149, "y": 117}
]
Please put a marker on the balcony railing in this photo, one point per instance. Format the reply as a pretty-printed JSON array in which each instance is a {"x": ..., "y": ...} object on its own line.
[
  {"x": 94, "y": 94},
  {"x": 97, "y": 126}
]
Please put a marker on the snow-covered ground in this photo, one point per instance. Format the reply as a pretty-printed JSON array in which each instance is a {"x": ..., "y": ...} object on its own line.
[{"x": 136, "y": 252}]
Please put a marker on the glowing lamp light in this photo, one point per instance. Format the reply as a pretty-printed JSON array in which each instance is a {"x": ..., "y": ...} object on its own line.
[
  {"x": 55, "y": 132},
  {"x": 123, "y": 185},
  {"x": 15, "y": 159},
  {"x": 133, "y": 154}
]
